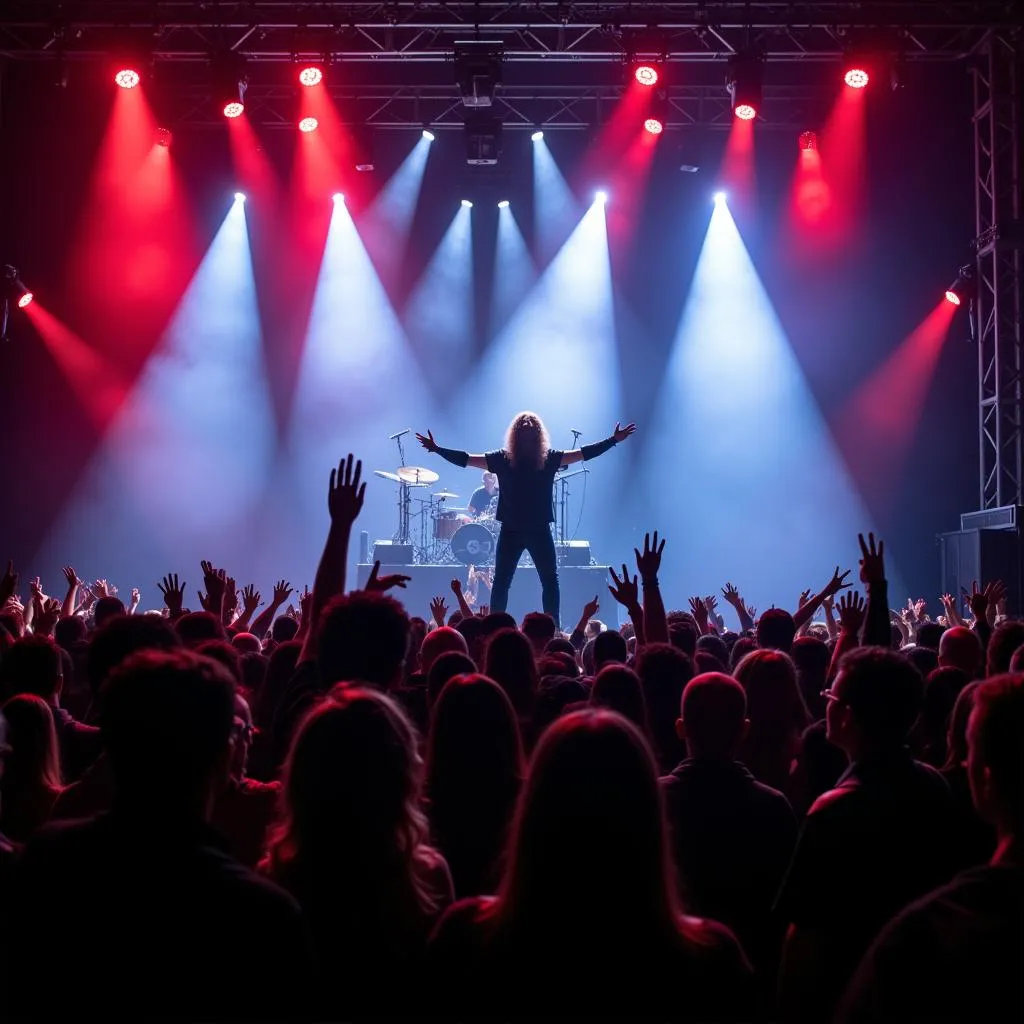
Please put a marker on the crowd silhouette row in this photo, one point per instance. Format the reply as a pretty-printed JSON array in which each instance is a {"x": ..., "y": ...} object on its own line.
[{"x": 334, "y": 810}]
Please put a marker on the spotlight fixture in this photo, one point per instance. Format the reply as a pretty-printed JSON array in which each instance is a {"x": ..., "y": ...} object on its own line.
[
  {"x": 229, "y": 83},
  {"x": 537, "y": 136},
  {"x": 503, "y": 204},
  {"x": 310, "y": 75},
  {"x": 657, "y": 113},
  {"x": 338, "y": 197},
  {"x": 428, "y": 135},
  {"x": 163, "y": 137},
  {"x": 808, "y": 142},
  {"x": 855, "y": 73},
  {"x": 127, "y": 78},
  {"x": 654, "y": 125},
  {"x": 720, "y": 198},
  {"x": 646, "y": 74},
  {"x": 308, "y": 124},
  {"x": 478, "y": 72},
  {"x": 600, "y": 197},
  {"x": 962, "y": 290},
  {"x": 467, "y": 204},
  {"x": 14, "y": 290},
  {"x": 743, "y": 81},
  {"x": 239, "y": 197},
  {"x": 483, "y": 141}
]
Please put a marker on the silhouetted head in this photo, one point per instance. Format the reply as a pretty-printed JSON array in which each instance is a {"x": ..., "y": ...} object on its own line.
[
  {"x": 70, "y": 630},
  {"x": 351, "y": 792},
  {"x": 617, "y": 688},
  {"x": 1005, "y": 639},
  {"x": 497, "y": 620},
  {"x": 664, "y": 671},
  {"x": 609, "y": 649},
  {"x": 527, "y": 440},
  {"x": 589, "y": 845},
  {"x": 224, "y": 652},
  {"x": 124, "y": 636},
  {"x": 776, "y": 630},
  {"x": 874, "y": 701},
  {"x": 444, "y": 640},
  {"x": 284, "y": 629},
  {"x": 540, "y": 630},
  {"x": 510, "y": 663},
  {"x": 811, "y": 658},
  {"x": 246, "y": 643},
  {"x": 242, "y": 732},
  {"x": 683, "y": 634},
  {"x": 105, "y": 609},
  {"x": 929, "y": 634},
  {"x": 362, "y": 638},
  {"x": 713, "y": 716},
  {"x": 995, "y": 758},
  {"x": 928, "y": 735},
  {"x": 924, "y": 659},
  {"x": 33, "y": 761},
  {"x": 743, "y": 646},
  {"x": 715, "y": 646},
  {"x": 447, "y": 666},
  {"x": 32, "y": 665},
  {"x": 198, "y": 627},
  {"x": 166, "y": 719}
]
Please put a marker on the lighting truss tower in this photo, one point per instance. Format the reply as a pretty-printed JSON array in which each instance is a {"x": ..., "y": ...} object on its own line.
[{"x": 999, "y": 199}]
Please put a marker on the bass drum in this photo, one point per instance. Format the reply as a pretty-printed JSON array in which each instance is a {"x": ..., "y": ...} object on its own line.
[{"x": 474, "y": 544}]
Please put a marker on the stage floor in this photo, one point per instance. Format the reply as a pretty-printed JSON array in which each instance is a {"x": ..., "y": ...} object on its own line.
[{"x": 579, "y": 584}]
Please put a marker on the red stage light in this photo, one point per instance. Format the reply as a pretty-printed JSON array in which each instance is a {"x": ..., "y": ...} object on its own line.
[
  {"x": 951, "y": 296},
  {"x": 808, "y": 141},
  {"x": 654, "y": 126},
  {"x": 856, "y": 78},
  {"x": 25, "y": 300},
  {"x": 234, "y": 108},
  {"x": 646, "y": 75},
  {"x": 308, "y": 124},
  {"x": 127, "y": 78},
  {"x": 746, "y": 112},
  {"x": 311, "y": 75}
]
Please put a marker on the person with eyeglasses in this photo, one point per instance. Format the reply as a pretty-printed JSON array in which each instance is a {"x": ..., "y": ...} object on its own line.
[{"x": 880, "y": 839}]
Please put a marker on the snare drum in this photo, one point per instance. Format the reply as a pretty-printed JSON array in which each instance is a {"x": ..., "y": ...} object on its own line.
[
  {"x": 474, "y": 544},
  {"x": 448, "y": 522}
]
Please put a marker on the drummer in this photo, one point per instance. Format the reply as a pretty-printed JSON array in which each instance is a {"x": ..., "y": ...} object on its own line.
[{"x": 482, "y": 496}]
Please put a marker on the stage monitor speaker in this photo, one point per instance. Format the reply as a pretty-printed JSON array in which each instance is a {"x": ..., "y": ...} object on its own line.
[
  {"x": 574, "y": 552},
  {"x": 981, "y": 556},
  {"x": 389, "y": 553}
]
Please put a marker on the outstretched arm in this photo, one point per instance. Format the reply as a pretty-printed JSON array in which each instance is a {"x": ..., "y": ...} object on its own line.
[
  {"x": 453, "y": 455},
  {"x": 592, "y": 451}
]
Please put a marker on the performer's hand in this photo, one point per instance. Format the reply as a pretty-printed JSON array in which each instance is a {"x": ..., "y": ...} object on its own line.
[
  {"x": 428, "y": 441},
  {"x": 622, "y": 432}
]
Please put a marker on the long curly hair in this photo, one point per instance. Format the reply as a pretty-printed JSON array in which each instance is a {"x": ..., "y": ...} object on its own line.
[{"x": 527, "y": 441}]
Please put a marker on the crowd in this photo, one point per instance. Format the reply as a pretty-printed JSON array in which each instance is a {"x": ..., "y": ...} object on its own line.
[{"x": 338, "y": 812}]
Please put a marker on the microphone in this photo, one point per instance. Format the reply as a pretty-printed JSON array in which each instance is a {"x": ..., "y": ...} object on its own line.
[
  {"x": 578, "y": 433},
  {"x": 401, "y": 433}
]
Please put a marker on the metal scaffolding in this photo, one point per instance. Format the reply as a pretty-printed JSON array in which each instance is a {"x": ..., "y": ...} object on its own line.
[{"x": 999, "y": 199}]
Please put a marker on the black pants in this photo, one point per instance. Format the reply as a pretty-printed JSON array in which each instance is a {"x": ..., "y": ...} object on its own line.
[{"x": 511, "y": 545}]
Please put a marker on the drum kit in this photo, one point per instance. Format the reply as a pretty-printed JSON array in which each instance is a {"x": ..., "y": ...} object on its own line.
[{"x": 441, "y": 534}]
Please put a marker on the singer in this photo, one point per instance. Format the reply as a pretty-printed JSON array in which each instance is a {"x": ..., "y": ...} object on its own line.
[{"x": 526, "y": 469}]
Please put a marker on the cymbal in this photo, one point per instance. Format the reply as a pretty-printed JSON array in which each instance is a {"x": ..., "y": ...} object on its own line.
[
  {"x": 417, "y": 476},
  {"x": 445, "y": 494},
  {"x": 394, "y": 477}
]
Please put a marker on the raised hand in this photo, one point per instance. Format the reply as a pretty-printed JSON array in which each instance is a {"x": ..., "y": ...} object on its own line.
[
  {"x": 852, "y": 609},
  {"x": 803, "y": 598},
  {"x": 305, "y": 599},
  {"x": 711, "y": 603},
  {"x": 837, "y": 583},
  {"x": 173, "y": 594},
  {"x": 381, "y": 585},
  {"x": 981, "y": 600},
  {"x": 136, "y": 597},
  {"x": 622, "y": 432},
  {"x": 345, "y": 492},
  {"x": 36, "y": 589},
  {"x": 8, "y": 584},
  {"x": 251, "y": 599},
  {"x": 428, "y": 442},
  {"x": 828, "y": 603},
  {"x": 700, "y": 613},
  {"x": 456, "y": 587},
  {"x": 47, "y": 614},
  {"x": 101, "y": 588},
  {"x": 625, "y": 590},
  {"x": 649, "y": 562},
  {"x": 215, "y": 581},
  {"x": 71, "y": 576},
  {"x": 752, "y": 612},
  {"x": 872, "y": 560},
  {"x": 282, "y": 591},
  {"x": 590, "y": 609},
  {"x": 439, "y": 610},
  {"x": 484, "y": 611},
  {"x": 732, "y": 596}
]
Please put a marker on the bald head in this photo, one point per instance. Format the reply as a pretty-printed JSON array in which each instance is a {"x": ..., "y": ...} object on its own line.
[
  {"x": 961, "y": 648},
  {"x": 440, "y": 641}
]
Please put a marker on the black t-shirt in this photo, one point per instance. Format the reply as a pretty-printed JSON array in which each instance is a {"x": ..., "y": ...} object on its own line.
[
  {"x": 953, "y": 956},
  {"x": 480, "y": 500},
  {"x": 525, "y": 492}
]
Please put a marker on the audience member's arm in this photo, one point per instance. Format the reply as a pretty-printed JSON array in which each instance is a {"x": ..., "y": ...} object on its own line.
[
  {"x": 872, "y": 574},
  {"x": 305, "y": 604},
  {"x": 68, "y": 607},
  {"x": 215, "y": 581},
  {"x": 455, "y": 456},
  {"x": 648, "y": 563},
  {"x": 952, "y": 614},
  {"x": 578, "y": 638},
  {"x": 830, "y": 620},
  {"x": 47, "y": 615},
  {"x": 592, "y": 451},
  {"x": 851, "y": 621},
  {"x": 251, "y": 599},
  {"x": 377, "y": 584},
  {"x": 467, "y": 612},
  {"x": 345, "y": 493},
  {"x": 732, "y": 596},
  {"x": 8, "y": 584},
  {"x": 627, "y": 593},
  {"x": 716, "y": 622},
  {"x": 133, "y": 604},
  {"x": 230, "y": 603},
  {"x": 981, "y": 602},
  {"x": 265, "y": 619},
  {"x": 174, "y": 595},
  {"x": 834, "y": 585},
  {"x": 700, "y": 615},
  {"x": 439, "y": 611}
]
